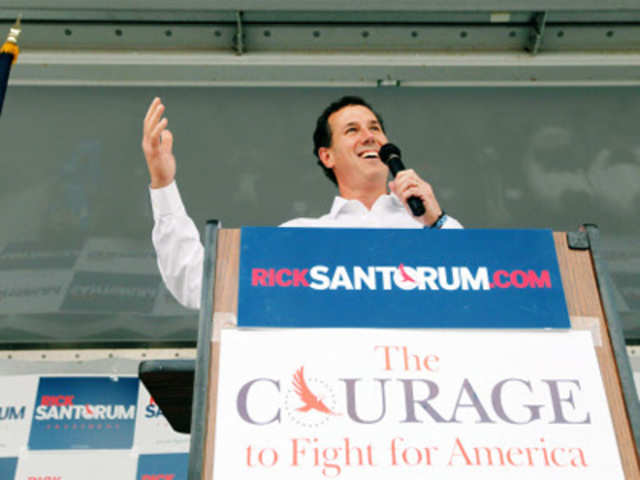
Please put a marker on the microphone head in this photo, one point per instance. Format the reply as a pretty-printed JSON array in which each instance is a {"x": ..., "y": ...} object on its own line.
[{"x": 388, "y": 151}]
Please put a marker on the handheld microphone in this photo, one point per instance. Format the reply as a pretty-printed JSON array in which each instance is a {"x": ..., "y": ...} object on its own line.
[{"x": 391, "y": 156}]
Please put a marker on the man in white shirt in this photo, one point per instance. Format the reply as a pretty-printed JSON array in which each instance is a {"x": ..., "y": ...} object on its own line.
[{"x": 347, "y": 140}]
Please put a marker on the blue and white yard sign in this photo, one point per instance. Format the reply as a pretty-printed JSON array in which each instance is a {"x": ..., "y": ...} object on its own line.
[
  {"x": 8, "y": 467},
  {"x": 295, "y": 277},
  {"x": 84, "y": 413},
  {"x": 167, "y": 466}
]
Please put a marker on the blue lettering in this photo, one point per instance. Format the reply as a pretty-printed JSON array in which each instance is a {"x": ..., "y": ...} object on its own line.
[
  {"x": 12, "y": 413},
  {"x": 152, "y": 411}
]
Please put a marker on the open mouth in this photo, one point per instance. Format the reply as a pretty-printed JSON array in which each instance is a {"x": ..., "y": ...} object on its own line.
[{"x": 369, "y": 154}]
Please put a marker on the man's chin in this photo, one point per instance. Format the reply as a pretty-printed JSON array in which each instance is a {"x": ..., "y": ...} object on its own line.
[{"x": 376, "y": 178}]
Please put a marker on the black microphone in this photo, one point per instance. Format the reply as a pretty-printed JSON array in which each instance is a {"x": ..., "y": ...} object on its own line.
[{"x": 391, "y": 156}]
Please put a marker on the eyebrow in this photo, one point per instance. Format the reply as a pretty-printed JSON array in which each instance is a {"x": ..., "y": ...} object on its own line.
[{"x": 371, "y": 122}]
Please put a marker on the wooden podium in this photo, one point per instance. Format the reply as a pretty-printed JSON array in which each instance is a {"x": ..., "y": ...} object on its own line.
[{"x": 589, "y": 301}]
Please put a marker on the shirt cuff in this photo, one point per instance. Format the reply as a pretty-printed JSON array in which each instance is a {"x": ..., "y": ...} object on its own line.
[
  {"x": 451, "y": 222},
  {"x": 166, "y": 201}
]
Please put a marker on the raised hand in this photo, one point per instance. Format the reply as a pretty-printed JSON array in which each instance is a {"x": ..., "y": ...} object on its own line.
[{"x": 157, "y": 145}]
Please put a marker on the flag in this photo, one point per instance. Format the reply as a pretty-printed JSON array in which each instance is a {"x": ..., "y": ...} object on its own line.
[{"x": 8, "y": 56}]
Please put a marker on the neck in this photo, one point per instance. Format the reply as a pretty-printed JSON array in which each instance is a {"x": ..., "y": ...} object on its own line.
[{"x": 367, "y": 196}]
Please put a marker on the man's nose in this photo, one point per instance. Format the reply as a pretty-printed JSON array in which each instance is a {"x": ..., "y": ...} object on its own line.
[{"x": 368, "y": 136}]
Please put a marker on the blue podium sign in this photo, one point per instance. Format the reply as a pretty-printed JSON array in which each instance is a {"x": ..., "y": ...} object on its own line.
[{"x": 295, "y": 277}]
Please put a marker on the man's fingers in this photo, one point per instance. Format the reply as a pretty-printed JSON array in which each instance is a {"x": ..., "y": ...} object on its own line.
[
  {"x": 152, "y": 117},
  {"x": 409, "y": 184},
  {"x": 155, "y": 117},
  {"x": 400, "y": 186},
  {"x": 167, "y": 140},
  {"x": 403, "y": 183},
  {"x": 155, "y": 135},
  {"x": 404, "y": 187},
  {"x": 151, "y": 108},
  {"x": 408, "y": 173},
  {"x": 411, "y": 192}
]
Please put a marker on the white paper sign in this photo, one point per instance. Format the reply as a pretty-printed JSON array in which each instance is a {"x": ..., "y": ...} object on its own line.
[
  {"x": 17, "y": 394},
  {"x": 153, "y": 432},
  {"x": 68, "y": 465},
  {"x": 380, "y": 404}
]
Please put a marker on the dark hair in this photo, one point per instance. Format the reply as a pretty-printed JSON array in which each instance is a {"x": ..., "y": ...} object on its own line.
[{"x": 322, "y": 133}]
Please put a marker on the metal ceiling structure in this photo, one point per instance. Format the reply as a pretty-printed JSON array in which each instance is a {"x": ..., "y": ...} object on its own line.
[{"x": 327, "y": 43}]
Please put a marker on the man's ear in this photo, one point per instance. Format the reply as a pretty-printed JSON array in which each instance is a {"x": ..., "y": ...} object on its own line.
[{"x": 325, "y": 157}]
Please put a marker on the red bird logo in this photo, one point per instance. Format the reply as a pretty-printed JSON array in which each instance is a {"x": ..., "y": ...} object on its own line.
[
  {"x": 405, "y": 275},
  {"x": 311, "y": 402}
]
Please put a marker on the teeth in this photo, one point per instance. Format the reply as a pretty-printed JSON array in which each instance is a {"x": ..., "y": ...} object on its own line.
[{"x": 370, "y": 155}]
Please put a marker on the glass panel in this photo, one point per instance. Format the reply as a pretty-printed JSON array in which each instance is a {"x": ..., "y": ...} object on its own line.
[{"x": 76, "y": 261}]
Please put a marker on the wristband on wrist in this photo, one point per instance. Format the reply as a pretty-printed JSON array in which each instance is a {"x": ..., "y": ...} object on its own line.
[{"x": 440, "y": 220}]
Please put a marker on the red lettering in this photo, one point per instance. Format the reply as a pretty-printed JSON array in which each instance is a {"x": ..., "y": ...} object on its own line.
[
  {"x": 513, "y": 451},
  {"x": 555, "y": 460},
  {"x": 519, "y": 279},
  {"x": 387, "y": 355},
  {"x": 281, "y": 273},
  {"x": 300, "y": 277},
  {"x": 56, "y": 400},
  {"x": 158, "y": 476},
  {"x": 263, "y": 457},
  {"x": 283, "y": 277},
  {"x": 497, "y": 279},
  {"x": 542, "y": 281},
  {"x": 258, "y": 277}
]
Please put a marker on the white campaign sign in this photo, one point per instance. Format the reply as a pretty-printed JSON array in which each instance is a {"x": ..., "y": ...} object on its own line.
[
  {"x": 76, "y": 465},
  {"x": 17, "y": 394},
  {"x": 380, "y": 404},
  {"x": 153, "y": 432}
]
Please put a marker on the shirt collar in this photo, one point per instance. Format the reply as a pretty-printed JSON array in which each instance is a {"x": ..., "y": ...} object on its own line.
[{"x": 388, "y": 202}]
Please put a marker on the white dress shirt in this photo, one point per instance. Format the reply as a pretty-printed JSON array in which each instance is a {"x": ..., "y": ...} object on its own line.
[{"x": 180, "y": 253}]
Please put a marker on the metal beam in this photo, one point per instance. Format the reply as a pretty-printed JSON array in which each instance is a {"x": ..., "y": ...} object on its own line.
[
  {"x": 326, "y": 5},
  {"x": 238, "y": 36},
  {"x": 334, "y": 17},
  {"x": 336, "y": 38},
  {"x": 423, "y": 46},
  {"x": 339, "y": 70},
  {"x": 537, "y": 33}
]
